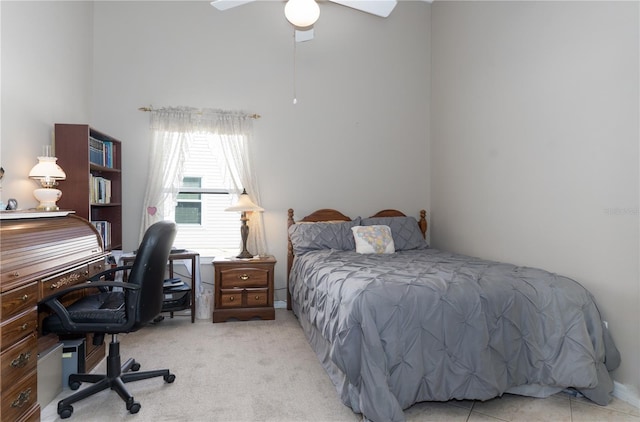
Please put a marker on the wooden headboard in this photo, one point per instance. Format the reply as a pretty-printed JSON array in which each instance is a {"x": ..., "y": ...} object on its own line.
[{"x": 328, "y": 214}]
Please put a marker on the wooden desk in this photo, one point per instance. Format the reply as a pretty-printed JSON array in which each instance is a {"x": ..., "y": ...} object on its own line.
[
  {"x": 190, "y": 255},
  {"x": 40, "y": 253}
]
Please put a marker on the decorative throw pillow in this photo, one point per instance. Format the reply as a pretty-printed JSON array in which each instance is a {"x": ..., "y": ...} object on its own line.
[
  {"x": 307, "y": 237},
  {"x": 373, "y": 239},
  {"x": 404, "y": 230}
]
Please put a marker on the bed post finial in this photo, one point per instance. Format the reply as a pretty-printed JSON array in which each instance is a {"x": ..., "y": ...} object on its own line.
[
  {"x": 423, "y": 223},
  {"x": 290, "y": 217}
]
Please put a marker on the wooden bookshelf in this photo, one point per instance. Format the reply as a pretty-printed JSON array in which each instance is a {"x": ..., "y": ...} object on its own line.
[{"x": 93, "y": 187}]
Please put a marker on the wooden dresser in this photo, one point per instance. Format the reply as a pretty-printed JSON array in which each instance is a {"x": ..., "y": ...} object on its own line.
[{"x": 39, "y": 254}]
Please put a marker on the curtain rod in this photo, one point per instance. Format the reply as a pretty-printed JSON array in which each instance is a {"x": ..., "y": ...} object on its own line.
[{"x": 253, "y": 116}]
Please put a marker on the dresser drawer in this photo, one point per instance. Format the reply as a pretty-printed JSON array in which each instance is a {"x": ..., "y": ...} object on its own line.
[
  {"x": 18, "y": 300},
  {"x": 18, "y": 360},
  {"x": 20, "y": 398},
  {"x": 257, "y": 297},
  {"x": 230, "y": 298},
  {"x": 50, "y": 285},
  {"x": 18, "y": 327},
  {"x": 243, "y": 277}
]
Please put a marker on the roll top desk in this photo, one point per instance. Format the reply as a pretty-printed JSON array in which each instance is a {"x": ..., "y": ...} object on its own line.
[{"x": 40, "y": 253}]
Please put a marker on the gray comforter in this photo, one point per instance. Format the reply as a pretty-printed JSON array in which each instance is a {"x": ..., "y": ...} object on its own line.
[{"x": 426, "y": 325}]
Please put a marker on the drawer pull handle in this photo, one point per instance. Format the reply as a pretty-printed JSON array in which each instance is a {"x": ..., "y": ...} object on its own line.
[
  {"x": 15, "y": 274},
  {"x": 24, "y": 297},
  {"x": 22, "y": 399},
  {"x": 243, "y": 277},
  {"x": 230, "y": 298},
  {"x": 21, "y": 360}
]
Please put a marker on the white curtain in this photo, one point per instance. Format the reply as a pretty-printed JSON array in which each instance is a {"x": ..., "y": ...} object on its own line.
[{"x": 172, "y": 129}]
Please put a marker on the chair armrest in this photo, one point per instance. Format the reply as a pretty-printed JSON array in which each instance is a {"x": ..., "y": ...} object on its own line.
[
  {"x": 110, "y": 271},
  {"x": 89, "y": 285}
]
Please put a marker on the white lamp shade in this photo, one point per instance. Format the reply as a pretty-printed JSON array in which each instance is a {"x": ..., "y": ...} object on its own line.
[
  {"x": 302, "y": 13},
  {"x": 47, "y": 168},
  {"x": 244, "y": 204}
]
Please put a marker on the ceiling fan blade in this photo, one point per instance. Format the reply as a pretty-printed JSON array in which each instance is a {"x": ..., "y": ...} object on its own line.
[
  {"x": 382, "y": 8},
  {"x": 228, "y": 4}
]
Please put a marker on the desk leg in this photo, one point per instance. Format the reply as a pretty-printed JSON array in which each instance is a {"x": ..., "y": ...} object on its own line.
[{"x": 193, "y": 289}]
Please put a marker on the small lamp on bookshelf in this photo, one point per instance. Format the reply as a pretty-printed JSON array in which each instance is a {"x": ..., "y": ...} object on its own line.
[
  {"x": 48, "y": 173},
  {"x": 244, "y": 205}
]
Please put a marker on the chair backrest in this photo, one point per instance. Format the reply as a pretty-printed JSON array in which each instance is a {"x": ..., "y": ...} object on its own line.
[{"x": 148, "y": 271}]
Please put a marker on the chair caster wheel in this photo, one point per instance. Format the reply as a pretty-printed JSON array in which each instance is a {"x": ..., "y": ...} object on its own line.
[
  {"x": 134, "y": 407},
  {"x": 135, "y": 367},
  {"x": 169, "y": 378},
  {"x": 65, "y": 412},
  {"x": 74, "y": 385}
]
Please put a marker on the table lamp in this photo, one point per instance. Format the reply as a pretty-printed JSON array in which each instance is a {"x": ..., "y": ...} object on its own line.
[
  {"x": 244, "y": 205},
  {"x": 48, "y": 172}
]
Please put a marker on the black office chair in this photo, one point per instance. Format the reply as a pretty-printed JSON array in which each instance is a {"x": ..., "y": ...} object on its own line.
[{"x": 110, "y": 311}]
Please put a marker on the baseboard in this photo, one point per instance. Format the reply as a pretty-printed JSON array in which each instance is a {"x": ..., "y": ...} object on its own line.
[{"x": 624, "y": 393}]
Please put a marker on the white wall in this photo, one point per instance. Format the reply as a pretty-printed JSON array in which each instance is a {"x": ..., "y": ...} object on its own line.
[
  {"x": 534, "y": 153},
  {"x": 357, "y": 140},
  {"x": 46, "y": 78}
]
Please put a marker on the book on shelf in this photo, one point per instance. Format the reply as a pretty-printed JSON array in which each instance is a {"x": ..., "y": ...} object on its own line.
[
  {"x": 104, "y": 228},
  {"x": 101, "y": 152},
  {"x": 96, "y": 151},
  {"x": 100, "y": 190}
]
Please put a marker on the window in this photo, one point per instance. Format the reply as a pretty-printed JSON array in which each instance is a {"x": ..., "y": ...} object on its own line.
[
  {"x": 199, "y": 211},
  {"x": 189, "y": 207}
]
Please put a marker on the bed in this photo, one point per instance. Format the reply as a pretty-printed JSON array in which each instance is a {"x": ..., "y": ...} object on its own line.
[{"x": 395, "y": 322}]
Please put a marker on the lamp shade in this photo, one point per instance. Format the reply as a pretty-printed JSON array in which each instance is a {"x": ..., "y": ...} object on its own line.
[
  {"x": 302, "y": 13},
  {"x": 47, "y": 168},
  {"x": 244, "y": 204}
]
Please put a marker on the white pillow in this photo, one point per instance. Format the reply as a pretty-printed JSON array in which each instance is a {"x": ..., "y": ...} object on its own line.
[{"x": 373, "y": 239}]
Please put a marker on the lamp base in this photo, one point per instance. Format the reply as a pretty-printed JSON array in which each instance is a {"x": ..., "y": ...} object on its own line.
[
  {"x": 47, "y": 198},
  {"x": 244, "y": 255}
]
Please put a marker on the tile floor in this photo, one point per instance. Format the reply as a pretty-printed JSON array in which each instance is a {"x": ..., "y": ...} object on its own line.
[{"x": 558, "y": 408}]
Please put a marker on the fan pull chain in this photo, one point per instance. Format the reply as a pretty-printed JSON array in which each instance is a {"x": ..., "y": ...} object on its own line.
[{"x": 295, "y": 69}]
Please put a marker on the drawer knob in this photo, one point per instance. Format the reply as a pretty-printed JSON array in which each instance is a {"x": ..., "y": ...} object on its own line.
[
  {"x": 24, "y": 326},
  {"x": 21, "y": 360},
  {"x": 230, "y": 298},
  {"x": 243, "y": 277},
  {"x": 24, "y": 297},
  {"x": 15, "y": 274},
  {"x": 22, "y": 399},
  {"x": 257, "y": 297}
]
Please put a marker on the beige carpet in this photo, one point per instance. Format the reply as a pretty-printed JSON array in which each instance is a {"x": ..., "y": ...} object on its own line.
[{"x": 233, "y": 371}]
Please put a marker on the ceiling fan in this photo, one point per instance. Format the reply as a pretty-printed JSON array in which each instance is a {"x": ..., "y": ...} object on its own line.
[{"x": 302, "y": 14}]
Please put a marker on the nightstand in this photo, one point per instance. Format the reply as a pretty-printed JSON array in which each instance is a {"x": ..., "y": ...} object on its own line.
[{"x": 243, "y": 288}]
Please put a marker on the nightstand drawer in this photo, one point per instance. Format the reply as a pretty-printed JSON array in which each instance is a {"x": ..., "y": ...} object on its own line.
[
  {"x": 230, "y": 298},
  {"x": 257, "y": 297},
  {"x": 243, "y": 277}
]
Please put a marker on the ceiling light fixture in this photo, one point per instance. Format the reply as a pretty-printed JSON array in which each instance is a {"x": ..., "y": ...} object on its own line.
[{"x": 302, "y": 13}]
